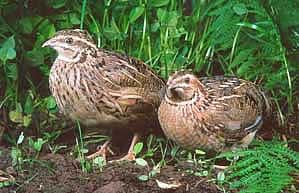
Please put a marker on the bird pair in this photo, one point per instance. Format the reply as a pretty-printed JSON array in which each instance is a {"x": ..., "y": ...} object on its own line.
[{"x": 105, "y": 89}]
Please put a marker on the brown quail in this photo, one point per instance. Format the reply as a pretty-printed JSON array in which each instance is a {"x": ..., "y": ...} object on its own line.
[
  {"x": 214, "y": 113},
  {"x": 103, "y": 88}
]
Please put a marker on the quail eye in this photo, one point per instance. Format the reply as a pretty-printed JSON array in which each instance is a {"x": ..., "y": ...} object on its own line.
[
  {"x": 187, "y": 80},
  {"x": 69, "y": 40}
]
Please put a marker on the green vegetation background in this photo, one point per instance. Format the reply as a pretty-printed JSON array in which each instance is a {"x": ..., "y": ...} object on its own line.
[{"x": 252, "y": 39}]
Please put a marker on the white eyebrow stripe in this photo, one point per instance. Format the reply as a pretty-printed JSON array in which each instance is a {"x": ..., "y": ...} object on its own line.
[{"x": 85, "y": 41}]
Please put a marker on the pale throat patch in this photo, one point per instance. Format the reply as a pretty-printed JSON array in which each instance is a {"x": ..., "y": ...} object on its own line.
[
  {"x": 67, "y": 59},
  {"x": 67, "y": 56}
]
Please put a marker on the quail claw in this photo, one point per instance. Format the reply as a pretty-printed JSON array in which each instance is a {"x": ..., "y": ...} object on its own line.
[
  {"x": 102, "y": 151},
  {"x": 130, "y": 156}
]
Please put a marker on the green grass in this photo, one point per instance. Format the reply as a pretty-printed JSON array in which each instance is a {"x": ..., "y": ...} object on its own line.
[{"x": 255, "y": 40}]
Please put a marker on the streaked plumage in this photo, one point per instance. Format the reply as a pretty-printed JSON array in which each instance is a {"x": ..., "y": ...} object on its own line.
[
  {"x": 211, "y": 112},
  {"x": 102, "y": 88}
]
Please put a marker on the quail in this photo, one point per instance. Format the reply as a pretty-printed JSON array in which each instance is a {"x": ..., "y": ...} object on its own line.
[
  {"x": 214, "y": 113},
  {"x": 102, "y": 88}
]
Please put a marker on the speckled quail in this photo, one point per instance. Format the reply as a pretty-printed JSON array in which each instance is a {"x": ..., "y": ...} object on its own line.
[
  {"x": 103, "y": 88},
  {"x": 214, "y": 113}
]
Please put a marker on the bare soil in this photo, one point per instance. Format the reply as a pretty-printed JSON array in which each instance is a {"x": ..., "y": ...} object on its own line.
[{"x": 62, "y": 174}]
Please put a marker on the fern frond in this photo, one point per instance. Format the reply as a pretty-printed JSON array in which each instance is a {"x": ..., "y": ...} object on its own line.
[{"x": 264, "y": 169}]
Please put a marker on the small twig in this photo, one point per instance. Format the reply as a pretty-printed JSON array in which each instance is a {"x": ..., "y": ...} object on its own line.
[
  {"x": 9, "y": 178},
  {"x": 220, "y": 167},
  {"x": 3, "y": 179}
]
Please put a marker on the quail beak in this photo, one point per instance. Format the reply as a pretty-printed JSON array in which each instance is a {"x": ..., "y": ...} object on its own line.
[
  {"x": 174, "y": 89},
  {"x": 48, "y": 43},
  {"x": 177, "y": 88}
]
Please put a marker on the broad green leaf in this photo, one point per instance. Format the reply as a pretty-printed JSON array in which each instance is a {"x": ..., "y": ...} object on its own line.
[
  {"x": 47, "y": 29},
  {"x": 155, "y": 27},
  {"x": 149, "y": 153},
  {"x": 37, "y": 145},
  {"x": 220, "y": 176},
  {"x": 143, "y": 178},
  {"x": 240, "y": 8},
  {"x": 26, "y": 24},
  {"x": 159, "y": 3},
  {"x": 51, "y": 103},
  {"x": 3, "y": 54},
  {"x": 137, "y": 148},
  {"x": 180, "y": 60},
  {"x": 45, "y": 69},
  {"x": 161, "y": 13},
  {"x": 100, "y": 161},
  {"x": 74, "y": 18},
  {"x": 107, "y": 2},
  {"x": 28, "y": 106},
  {"x": 35, "y": 57},
  {"x": 16, "y": 116},
  {"x": 242, "y": 56},
  {"x": 141, "y": 162},
  {"x": 7, "y": 50},
  {"x": 169, "y": 18},
  {"x": 9, "y": 43},
  {"x": 11, "y": 53},
  {"x": 135, "y": 13}
]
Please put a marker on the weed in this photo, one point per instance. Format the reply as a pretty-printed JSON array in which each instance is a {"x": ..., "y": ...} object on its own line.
[
  {"x": 99, "y": 163},
  {"x": 265, "y": 168},
  {"x": 81, "y": 151}
]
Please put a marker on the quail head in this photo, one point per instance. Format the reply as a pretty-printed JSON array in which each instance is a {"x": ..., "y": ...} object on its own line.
[
  {"x": 214, "y": 113},
  {"x": 103, "y": 88}
]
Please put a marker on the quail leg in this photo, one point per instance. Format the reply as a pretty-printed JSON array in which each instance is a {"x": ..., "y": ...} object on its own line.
[
  {"x": 130, "y": 155},
  {"x": 244, "y": 142},
  {"x": 101, "y": 152}
]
